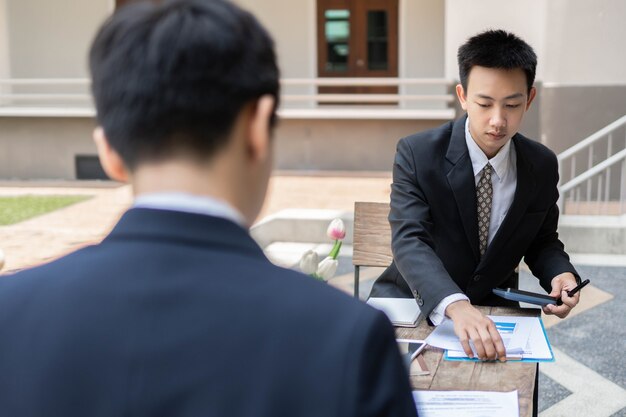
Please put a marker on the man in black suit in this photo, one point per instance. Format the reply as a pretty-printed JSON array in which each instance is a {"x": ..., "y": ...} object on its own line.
[
  {"x": 469, "y": 199},
  {"x": 178, "y": 312}
]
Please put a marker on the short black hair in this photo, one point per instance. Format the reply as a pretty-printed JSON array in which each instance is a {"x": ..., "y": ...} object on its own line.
[
  {"x": 497, "y": 49},
  {"x": 172, "y": 77}
]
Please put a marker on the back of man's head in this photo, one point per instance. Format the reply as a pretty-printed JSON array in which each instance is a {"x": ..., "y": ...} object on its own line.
[
  {"x": 496, "y": 49},
  {"x": 171, "y": 79}
]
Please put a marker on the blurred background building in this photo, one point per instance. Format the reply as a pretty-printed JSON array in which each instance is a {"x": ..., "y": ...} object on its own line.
[{"x": 356, "y": 76}]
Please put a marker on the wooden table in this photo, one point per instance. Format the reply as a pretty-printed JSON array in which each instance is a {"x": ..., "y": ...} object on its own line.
[{"x": 475, "y": 376}]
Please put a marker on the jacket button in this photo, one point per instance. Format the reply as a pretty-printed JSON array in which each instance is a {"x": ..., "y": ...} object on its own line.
[
  {"x": 415, "y": 294},
  {"x": 477, "y": 278},
  {"x": 420, "y": 302}
]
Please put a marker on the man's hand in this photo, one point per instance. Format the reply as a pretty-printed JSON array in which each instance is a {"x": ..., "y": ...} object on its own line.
[
  {"x": 560, "y": 285},
  {"x": 471, "y": 324}
]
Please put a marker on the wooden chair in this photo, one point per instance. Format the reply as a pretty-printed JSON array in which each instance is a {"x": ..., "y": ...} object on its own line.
[{"x": 371, "y": 243}]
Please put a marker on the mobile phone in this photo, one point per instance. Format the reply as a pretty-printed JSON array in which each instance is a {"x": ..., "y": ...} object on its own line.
[
  {"x": 525, "y": 296},
  {"x": 410, "y": 348}
]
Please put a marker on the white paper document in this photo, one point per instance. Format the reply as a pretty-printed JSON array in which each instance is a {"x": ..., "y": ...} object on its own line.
[
  {"x": 523, "y": 338},
  {"x": 402, "y": 312},
  {"x": 466, "y": 403}
]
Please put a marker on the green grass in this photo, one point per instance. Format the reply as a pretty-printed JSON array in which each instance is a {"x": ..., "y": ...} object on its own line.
[{"x": 20, "y": 208}]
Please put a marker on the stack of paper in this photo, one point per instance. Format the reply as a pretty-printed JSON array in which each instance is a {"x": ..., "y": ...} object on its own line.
[
  {"x": 402, "y": 312},
  {"x": 466, "y": 403},
  {"x": 524, "y": 339}
]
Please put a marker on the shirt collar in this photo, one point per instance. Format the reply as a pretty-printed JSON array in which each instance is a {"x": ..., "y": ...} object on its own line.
[
  {"x": 190, "y": 203},
  {"x": 500, "y": 162}
]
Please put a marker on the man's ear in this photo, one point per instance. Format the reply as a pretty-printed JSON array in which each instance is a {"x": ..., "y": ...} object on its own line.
[
  {"x": 259, "y": 127},
  {"x": 460, "y": 93},
  {"x": 110, "y": 160},
  {"x": 531, "y": 97}
]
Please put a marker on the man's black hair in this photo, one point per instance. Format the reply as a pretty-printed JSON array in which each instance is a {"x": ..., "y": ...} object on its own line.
[
  {"x": 171, "y": 78},
  {"x": 497, "y": 49}
]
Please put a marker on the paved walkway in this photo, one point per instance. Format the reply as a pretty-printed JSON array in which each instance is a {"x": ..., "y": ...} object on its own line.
[{"x": 587, "y": 379}]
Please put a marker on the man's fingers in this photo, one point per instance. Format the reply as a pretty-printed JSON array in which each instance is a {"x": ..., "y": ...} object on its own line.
[
  {"x": 498, "y": 343},
  {"x": 487, "y": 342},
  {"x": 478, "y": 343},
  {"x": 466, "y": 347}
]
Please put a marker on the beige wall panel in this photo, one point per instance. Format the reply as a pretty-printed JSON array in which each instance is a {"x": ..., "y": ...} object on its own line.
[
  {"x": 351, "y": 145},
  {"x": 4, "y": 41},
  {"x": 585, "y": 42},
  {"x": 292, "y": 25},
  {"x": 51, "y": 38},
  {"x": 43, "y": 148},
  {"x": 466, "y": 18},
  {"x": 422, "y": 38}
]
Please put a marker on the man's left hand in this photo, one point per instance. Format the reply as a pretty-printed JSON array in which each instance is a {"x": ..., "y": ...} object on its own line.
[{"x": 561, "y": 284}]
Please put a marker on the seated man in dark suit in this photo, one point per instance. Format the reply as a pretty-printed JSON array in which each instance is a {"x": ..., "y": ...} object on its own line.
[
  {"x": 469, "y": 199},
  {"x": 177, "y": 312}
]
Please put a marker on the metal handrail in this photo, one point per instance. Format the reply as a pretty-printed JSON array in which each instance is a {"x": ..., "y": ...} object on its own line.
[
  {"x": 580, "y": 189},
  {"x": 593, "y": 171},
  {"x": 585, "y": 143}
]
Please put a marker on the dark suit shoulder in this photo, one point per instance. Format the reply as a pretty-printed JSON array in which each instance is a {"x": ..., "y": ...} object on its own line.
[{"x": 427, "y": 139}]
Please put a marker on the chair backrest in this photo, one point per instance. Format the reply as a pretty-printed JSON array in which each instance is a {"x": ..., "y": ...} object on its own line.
[{"x": 372, "y": 235}]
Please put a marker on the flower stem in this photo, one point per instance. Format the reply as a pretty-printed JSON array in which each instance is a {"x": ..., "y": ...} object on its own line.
[{"x": 335, "y": 250}]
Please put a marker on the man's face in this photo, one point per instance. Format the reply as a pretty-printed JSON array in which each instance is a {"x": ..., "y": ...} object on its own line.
[{"x": 495, "y": 101}]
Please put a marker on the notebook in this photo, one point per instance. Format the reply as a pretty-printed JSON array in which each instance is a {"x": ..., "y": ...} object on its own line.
[{"x": 402, "y": 312}]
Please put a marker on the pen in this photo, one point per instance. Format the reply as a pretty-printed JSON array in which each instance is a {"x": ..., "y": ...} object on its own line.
[
  {"x": 577, "y": 288},
  {"x": 573, "y": 291}
]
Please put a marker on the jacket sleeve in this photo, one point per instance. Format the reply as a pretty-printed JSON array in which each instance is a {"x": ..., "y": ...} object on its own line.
[
  {"x": 411, "y": 235},
  {"x": 546, "y": 254},
  {"x": 382, "y": 379}
]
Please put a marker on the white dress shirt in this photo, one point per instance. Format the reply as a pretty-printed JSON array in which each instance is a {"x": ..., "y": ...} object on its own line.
[
  {"x": 190, "y": 203},
  {"x": 504, "y": 182}
]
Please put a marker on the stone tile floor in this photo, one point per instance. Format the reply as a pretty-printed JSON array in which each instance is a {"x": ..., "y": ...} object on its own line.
[{"x": 587, "y": 379}]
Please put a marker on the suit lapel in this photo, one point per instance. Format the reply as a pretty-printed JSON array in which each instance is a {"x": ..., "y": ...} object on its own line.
[
  {"x": 461, "y": 180},
  {"x": 524, "y": 193}
]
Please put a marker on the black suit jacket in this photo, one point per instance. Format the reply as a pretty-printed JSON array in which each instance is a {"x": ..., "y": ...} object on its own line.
[
  {"x": 178, "y": 314},
  {"x": 434, "y": 223}
]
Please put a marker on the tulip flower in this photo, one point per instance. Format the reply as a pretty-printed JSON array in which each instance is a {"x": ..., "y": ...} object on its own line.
[
  {"x": 336, "y": 230},
  {"x": 327, "y": 268},
  {"x": 309, "y": 261}
]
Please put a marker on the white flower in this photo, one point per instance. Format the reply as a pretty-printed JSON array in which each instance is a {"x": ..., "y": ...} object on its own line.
[
  {"x": 309, "y": 261},
  {"x": 327, "y": 268},
  {"x": 336, "y": 230}
]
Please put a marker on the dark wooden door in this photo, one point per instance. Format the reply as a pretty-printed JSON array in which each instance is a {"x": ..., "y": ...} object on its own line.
[{"x": 357, "y": 38}]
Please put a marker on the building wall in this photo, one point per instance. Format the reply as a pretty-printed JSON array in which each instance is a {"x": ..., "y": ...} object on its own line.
[
  {"x": 351, "y": 145},
  {"x": 585, "y": 71},
  {"x": 292, "y": 25},
  {"x": 466, "y": 18},
  {"x": 43, "y": 148},
  {"x": 585, "y": 42},
  {"x": 4, "y": 41},
  {"x": 51, "y": 38}
]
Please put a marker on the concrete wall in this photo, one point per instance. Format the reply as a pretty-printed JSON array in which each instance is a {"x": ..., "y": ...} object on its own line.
[
  {"x": 362, "y": 145},
  {"x": 4, "y": 41},
  {"x": 292, "y": 25},
  {"x": 585, "y": 42},
  {"x": 43, "y": 148},
  {"x": 585, "y": 69},
  {"x": 571, "y": 113},
  {"x": 466, "y": 18},
  {"x": 51, "y": 38}
]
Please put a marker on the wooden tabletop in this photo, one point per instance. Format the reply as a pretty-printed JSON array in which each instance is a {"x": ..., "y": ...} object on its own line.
[{"x": 475, "y": 376}]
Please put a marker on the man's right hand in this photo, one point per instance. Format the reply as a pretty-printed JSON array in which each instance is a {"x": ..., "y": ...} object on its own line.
[{"x": 471, "y": 324}]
